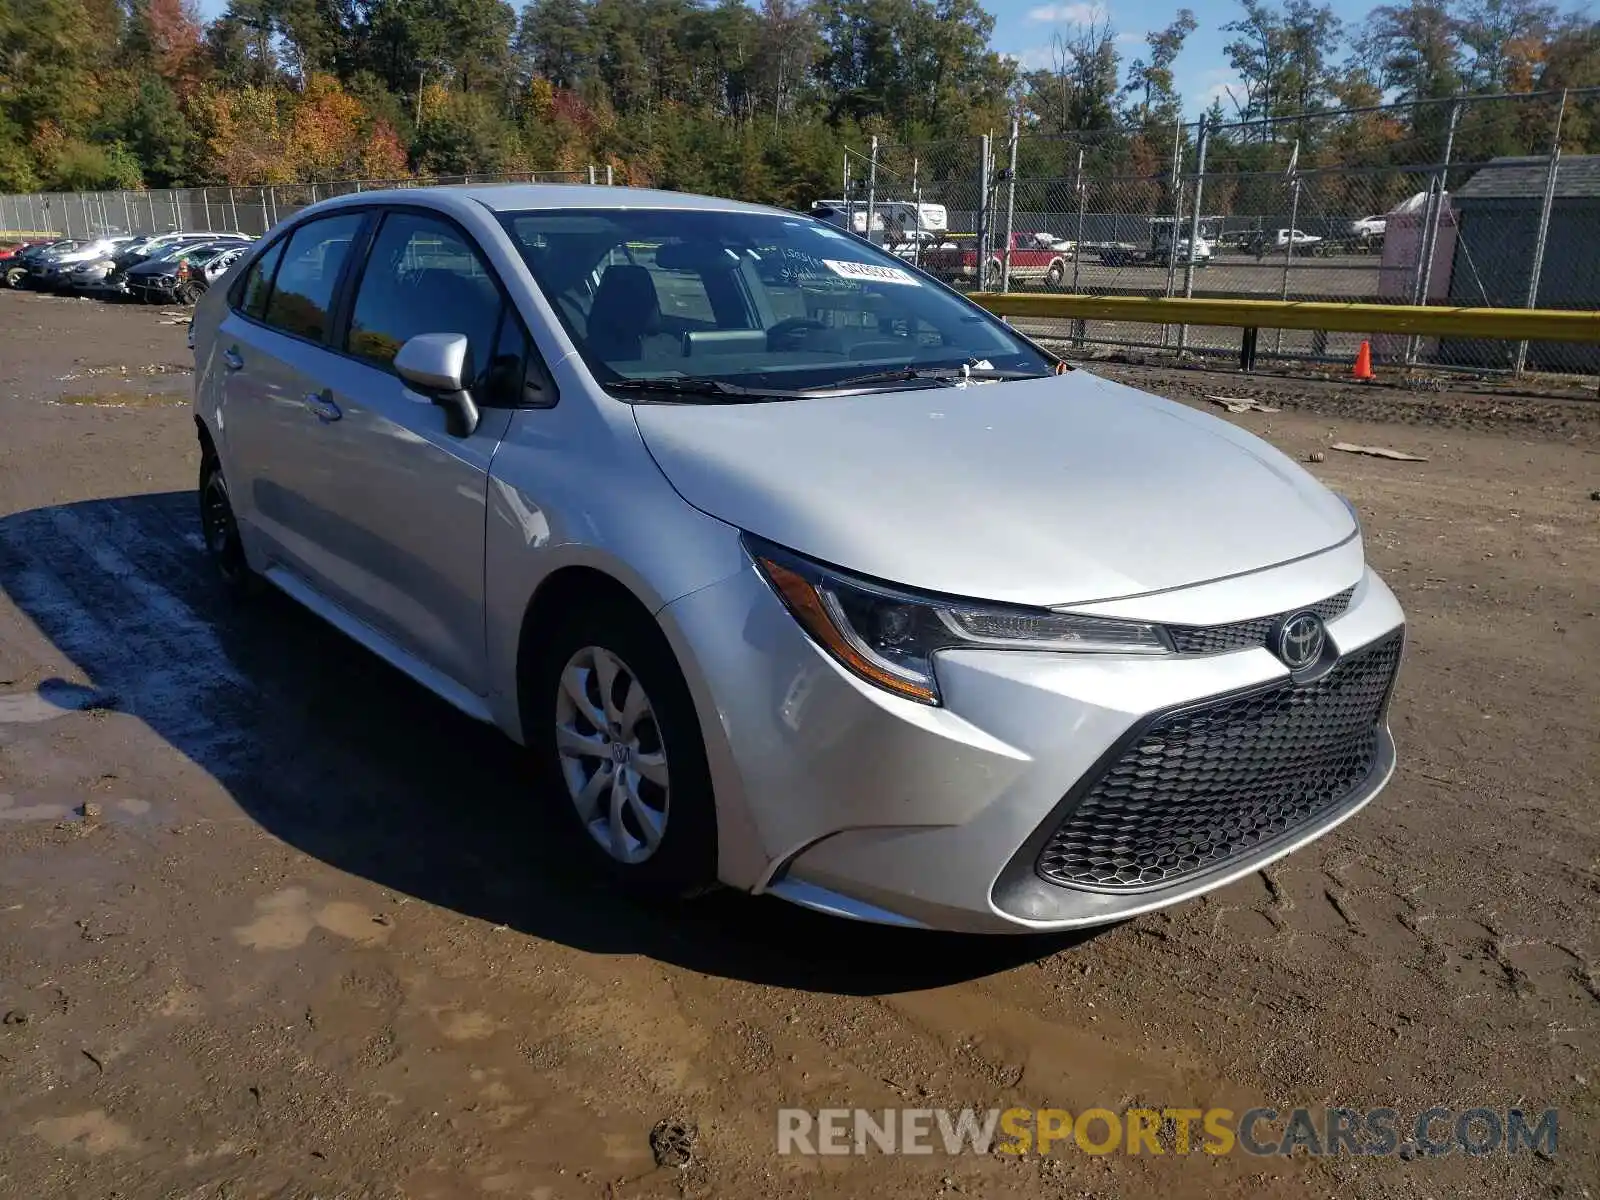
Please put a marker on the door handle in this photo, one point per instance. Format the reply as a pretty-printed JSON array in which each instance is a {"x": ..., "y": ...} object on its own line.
[
  {"x": 232, "y": 360},
  {"x": 322, "y": 404}
]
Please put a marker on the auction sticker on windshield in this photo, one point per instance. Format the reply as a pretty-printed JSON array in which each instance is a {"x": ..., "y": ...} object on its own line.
[{"x": 869, "y": 272}]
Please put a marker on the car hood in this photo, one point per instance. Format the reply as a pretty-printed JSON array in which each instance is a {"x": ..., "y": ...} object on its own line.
[{"x": 1064, "y": 490}]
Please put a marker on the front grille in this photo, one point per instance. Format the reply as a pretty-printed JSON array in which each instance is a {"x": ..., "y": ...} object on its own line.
[
  {"x": 1207, "y": 784},
  {"x": 1217, "y": 639}
]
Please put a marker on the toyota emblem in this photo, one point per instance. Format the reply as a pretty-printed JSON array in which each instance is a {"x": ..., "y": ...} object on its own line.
[{"x": 1300, "y": 640}]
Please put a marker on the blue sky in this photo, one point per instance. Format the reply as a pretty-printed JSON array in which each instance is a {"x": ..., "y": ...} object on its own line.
[{"x": 1024, "y": 28}]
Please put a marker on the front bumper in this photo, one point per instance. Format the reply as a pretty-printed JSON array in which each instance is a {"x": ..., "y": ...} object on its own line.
[
  {"x": 875, "y": 807},
  {"x": 151, "y": 292}
]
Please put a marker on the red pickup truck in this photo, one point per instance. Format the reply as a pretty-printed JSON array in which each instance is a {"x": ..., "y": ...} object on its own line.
[{"x": 1034, "y": 256}]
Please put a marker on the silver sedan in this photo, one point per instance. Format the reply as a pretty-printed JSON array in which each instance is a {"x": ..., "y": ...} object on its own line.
[{"x": 791, "y": 568}]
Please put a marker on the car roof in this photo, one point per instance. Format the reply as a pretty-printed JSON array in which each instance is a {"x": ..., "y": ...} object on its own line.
[{"x": 519, "y": 197}]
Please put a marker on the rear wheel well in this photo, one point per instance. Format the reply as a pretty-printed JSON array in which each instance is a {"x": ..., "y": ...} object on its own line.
[
  {"x": 564, "y": 590},
  {"x": 208, "y": 448}
]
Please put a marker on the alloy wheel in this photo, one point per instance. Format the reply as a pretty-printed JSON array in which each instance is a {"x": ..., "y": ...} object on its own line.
[{"x": 611, "y": 754}]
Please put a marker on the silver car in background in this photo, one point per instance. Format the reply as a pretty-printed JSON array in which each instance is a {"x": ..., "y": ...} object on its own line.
[{"x": 791, "y": 567}]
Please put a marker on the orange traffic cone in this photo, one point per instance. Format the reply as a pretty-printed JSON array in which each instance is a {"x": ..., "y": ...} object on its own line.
[{"x": 1363, "y": 367}]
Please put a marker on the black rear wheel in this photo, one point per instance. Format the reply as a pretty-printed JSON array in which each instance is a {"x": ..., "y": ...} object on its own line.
[{"x": 221, "y": 531}]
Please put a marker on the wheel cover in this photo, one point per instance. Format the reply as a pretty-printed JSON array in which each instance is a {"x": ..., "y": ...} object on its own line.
[{"x": 611, "y": 754}]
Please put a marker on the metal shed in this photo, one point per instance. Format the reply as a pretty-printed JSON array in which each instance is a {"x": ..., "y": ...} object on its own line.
[{"x": 1498, "y": 211}]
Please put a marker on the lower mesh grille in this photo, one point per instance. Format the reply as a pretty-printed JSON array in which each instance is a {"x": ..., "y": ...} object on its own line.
[{"x": 1211, "y": 783}]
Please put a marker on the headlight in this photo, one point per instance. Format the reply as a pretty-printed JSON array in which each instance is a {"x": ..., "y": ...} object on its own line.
[{"x": 889, "y": 637}]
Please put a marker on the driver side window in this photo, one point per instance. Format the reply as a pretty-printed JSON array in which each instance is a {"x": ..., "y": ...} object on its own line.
[{"x": 422, "y": 276}]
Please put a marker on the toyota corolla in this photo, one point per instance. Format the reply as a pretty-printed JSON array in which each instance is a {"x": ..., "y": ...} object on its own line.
[{"x": 791, "y": 568}]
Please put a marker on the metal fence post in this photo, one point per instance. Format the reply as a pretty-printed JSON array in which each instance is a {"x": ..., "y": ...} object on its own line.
[
  {"x": 1544, "y": 228},
  {"x": 610, "y": 182},
  {"x": 1079, "y": 327},
  {"x": 1177, "y": 218},
  {"x": 849, "y": 210},
  {"x": 150, "y": 203},
  {"x": 916, "y": 210},
  {"x": 1194, "y": 221},
  {"x": 1011, "y": 208},
  {"x": 1288, "y": 249},
  {"x": 233, "y": 206},
  {"x": 872, "y": 190},
  {"x": 982, "y": 264},
  {"x": 1177, "y": 211}
]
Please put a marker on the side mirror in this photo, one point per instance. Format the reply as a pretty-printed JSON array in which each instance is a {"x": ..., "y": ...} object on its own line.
[{"x": 434, "y": 364}]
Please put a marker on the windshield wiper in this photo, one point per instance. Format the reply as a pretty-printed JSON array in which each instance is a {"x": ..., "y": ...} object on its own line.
[
  {"x": 692, "y": 385},
  {"x": 910, "y": 374}
]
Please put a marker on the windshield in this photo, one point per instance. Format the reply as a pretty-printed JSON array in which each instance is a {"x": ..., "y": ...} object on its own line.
[{"x": 749, "y": 299}]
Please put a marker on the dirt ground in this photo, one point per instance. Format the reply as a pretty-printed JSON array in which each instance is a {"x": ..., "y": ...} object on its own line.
[{"x": 276, "y": 923}]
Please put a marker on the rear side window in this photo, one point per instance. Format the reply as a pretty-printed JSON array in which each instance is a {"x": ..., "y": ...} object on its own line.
[
  {"x": 423, "y": 276},
  {"x": 301, "y": 301},
  {"x": 253, "y": 296}
]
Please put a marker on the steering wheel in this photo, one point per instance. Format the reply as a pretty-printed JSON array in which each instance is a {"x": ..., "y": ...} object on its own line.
[{"x": 794, "y": 329}]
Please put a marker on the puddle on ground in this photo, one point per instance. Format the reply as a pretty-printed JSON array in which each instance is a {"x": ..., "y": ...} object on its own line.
[
  {"x": 53, "y": 698},
  {"x": 24, "y": 808}
]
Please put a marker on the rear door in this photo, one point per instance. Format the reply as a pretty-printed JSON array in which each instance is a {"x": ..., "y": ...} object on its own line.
[
  {"x": 273, "y": 347},
  {"x": 406, "y": 553}
]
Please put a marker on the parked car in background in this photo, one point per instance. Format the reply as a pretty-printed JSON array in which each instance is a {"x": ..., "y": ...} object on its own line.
[
  {"x": 1157, "y": 254},
  {"x": 1033, "y": 257},
  {"x": 88, "y": 276},
  {"x": 117, "y": 280},
  {"x": 819, "y": 580},
  {"x": 1294, "y": 241},
  {"x": 177, "y": 274},
  {"x": 51, "y": 271},
  {"x": 1369, "y": 228},
  {"x": 16, "y": 270},
  {"x": 217, "y": 267}
]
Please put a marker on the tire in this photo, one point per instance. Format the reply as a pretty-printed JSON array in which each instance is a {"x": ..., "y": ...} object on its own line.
[
  {"x": 1056, "y": 275},
  {"x": 220, "y": 531},
  {"x": 569, "y": 738},
  {"x": 14, "y": 276}
]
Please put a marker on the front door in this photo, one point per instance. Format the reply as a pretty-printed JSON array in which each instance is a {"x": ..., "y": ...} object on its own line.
[{"x": 406, "y": 554}]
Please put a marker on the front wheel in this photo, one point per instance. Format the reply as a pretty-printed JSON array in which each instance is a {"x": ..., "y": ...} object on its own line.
[
  {"x": 615, "y": 732},
  {"x": 1056, "y": 275}
]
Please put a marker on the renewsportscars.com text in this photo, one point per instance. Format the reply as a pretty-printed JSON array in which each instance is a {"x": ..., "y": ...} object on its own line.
[{"x": 1433, "y": 1132}]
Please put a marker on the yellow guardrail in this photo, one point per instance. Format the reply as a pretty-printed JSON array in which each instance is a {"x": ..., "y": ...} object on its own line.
[{"x": 1513, "y": 324}]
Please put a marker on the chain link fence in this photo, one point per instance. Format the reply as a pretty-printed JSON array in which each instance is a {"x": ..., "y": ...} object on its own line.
[
  {"x": 1469, "y": 201},
  {"x": 1462, "y": 202},
  {"x": 252, "y": 210}
]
